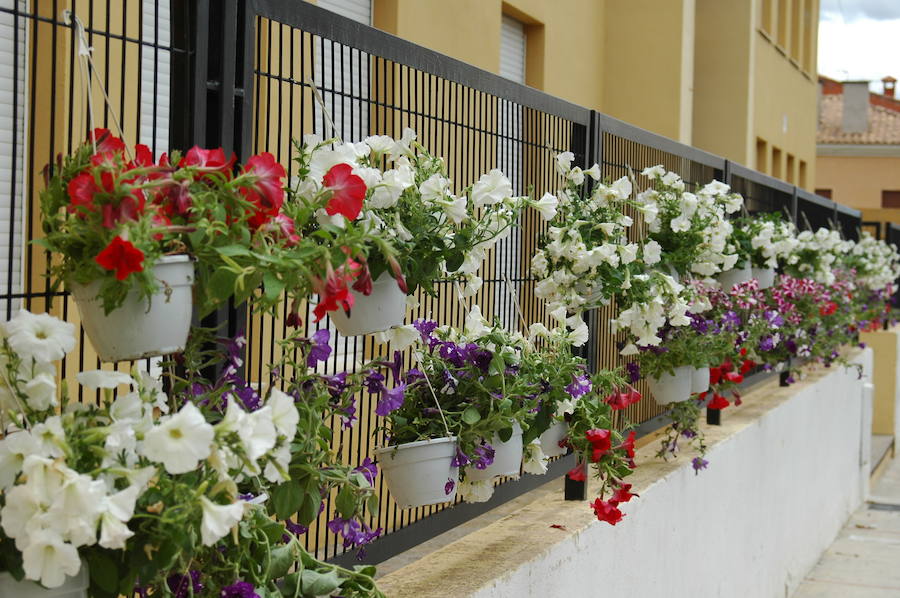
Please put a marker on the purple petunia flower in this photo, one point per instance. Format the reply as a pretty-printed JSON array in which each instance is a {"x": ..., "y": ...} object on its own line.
[
  {"x": 459, "y": 459},
  {"x": 773, "y": 318},
  {"x": 426, "y": 329},
  {"x": 320, "y": 350},
  {"x": 390, "y": 400},
  {"x": 449, "y": 486},
  {"x": 766, "y": 343},
  {"x": 688, "y": 433},
  {"x": 791, "y": 345},
  {"x": 181, "y": 585},
  {"x": 634, "y": 371},
  {"x": 336, "y": 384},
  {"x": 368, "y": 469},
  {"x": 699, "y": 323},
  {"x": 581, "y": 385},
  {"x": 730, "y": 320},
  {"x": 352, "y": 531},
  {"x": 348, "y": 414},
  {"x": 484, "y": 456},
  {"x": 294, "y": 528},
  {"x": 374, "y": 381},
  {"x": 239, "y": 589},
  {"x": 699, "y": 463}
]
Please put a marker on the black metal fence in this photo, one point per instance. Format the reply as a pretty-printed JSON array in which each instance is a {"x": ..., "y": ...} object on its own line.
[{"x": 241, "y": 74}]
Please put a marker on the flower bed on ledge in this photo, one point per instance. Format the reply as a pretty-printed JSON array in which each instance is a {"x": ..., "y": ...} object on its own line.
[{"x": 771, "y": 473}]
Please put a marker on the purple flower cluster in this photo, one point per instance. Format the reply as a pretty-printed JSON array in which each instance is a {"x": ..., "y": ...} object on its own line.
[
  {"x": 319, "y": 349},
  {"x": 634, "y": 371},
  {"x": 699, "y": 463},
  {"x": 182, "y": 585},
  {"x": 773, "y": 318},
  {"x": 766, "y": 343},
  {"x": 293, "y": 528},
  {"x": 730, "y": 320},
  {"x": 484, "y": 455},
  {"x": 353, "y": 532},
  {"x": 368, "y": 469},
  {"x": 239, "y": 589}
]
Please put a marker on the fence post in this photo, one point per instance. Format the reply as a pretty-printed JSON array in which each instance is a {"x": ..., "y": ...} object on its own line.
[{"x": 714, "y": 416}]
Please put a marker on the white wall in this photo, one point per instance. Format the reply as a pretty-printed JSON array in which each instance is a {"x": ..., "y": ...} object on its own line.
[{"x": 752, "y": 525}]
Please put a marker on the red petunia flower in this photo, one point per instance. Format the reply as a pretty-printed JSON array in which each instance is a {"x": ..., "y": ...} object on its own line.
[
  {"x": 283, "y": 226},
  {"x": 743, "y": 351},
  {"x": 122, "y": 256},
  {"x": 747, "y": 365},
  {"x": 715, "y": 375},
  {"x": 106, "y": 142},
  {"x": 828, "y": 309},
  {"x": 622, "y": 494},
  {"x": 628, "y": 445},
  {"x": 143, "y": 157},
  {"x": 734, "y": 377},
  {"x": 81, "y": 190},
  {"x": 363, "y": 282},
  {"x": 577, "y": 473},
  {"x": 599, "y": 438},
  {"x": 718, "y": 402},
  {"x": 212, "y": 160},
  {"x": 607, "y": 511},
  {"x": 266, "y": 190},
  {"x": 621, "y": 400},
  {"x": 347, "y": 191}
]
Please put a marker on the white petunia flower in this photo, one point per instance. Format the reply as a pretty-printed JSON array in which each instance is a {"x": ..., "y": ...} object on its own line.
[
  {"x": 652, "y": 253},
  {"x": 579, "y": 334},
  {"x": 50, "y": 436},
  {"x": 95, "y": 379},
  {"x": 116, "y": 511},
  {"x": 277, "y": 467},
  {"x": 534, "y": 461},
  {"x": 564, "y": 162},
  {"x": 654, "y": 172},
  {"x": 41, "y": 390},
  {"x": 40, "y": 336},
  {"x": 475, "y": 491},
  {"x": 180, "y": 441},
  {"x": 492, "y": 188},
  {"x": 49, "y": 560},
  {"x": 400, "y": 337},
  {"x": 456, "y": 208},
  {"x": 76, "y": 508},
  {"x": 14, "y": 448},
  {"x": 218, "y": 520},
  {"x": 546, "y": 206}
]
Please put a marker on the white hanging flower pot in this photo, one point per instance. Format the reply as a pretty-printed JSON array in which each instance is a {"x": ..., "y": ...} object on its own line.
[
  {"x": 551, "y": 437},
  {"x": 417, "y": 473},
  {"x": 734, "y": 277},
  {"x": 765, "y": 276},
  {"x": 507, "y": 458},
  {"x": 382, "y": 309},
  {"x": 138, "y": 328},
  {"x": 673, "y": 388},
  {"x": 699, "y": 380},
  {"x": 73, "y": 587}
]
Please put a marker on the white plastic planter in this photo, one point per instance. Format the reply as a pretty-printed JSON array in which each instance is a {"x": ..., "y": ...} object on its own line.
[
  {"x": 138, "y": 328},
  {"x": 383, "y": 308},
  {"x": 670, "y": 388},
  {"x": 551, "y": 437},
  {"x": 735, "y": 277},
  {"x": 417, "y": 472},
  {"x": 765, "y": 276},
  {"x": 74, "y": 587},
  {"x": 507, "y": 458},
  {"x": 699, "y": 380}
]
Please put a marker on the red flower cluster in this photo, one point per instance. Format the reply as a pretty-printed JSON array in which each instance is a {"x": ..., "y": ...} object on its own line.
[
  {"x": 718, "y": 402},
  {"x": 265, "y": 190},
  {"x": 334, "y": 291},
  {"x": 601, "y": 442},
  {"x": 828, "y": 308}
]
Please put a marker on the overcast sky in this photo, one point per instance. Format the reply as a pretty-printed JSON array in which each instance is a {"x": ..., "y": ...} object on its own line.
[{"x": 858, "y": 40}]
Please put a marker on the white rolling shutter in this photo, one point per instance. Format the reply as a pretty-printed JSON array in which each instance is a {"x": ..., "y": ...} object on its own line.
[
  {"x": 509, "y": 160},
  {"x": 156, "y": 29},
  {"x": 342, "y": 75},
  {"x": 13, "y": 60}
]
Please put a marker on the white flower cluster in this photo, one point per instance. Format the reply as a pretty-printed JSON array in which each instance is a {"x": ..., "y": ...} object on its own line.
[
  {"x": 667, "y": 301},
  {"x": 816, "y": 255},
  {"x": 391, "y": 168},
  {"x": 877, "y": 263},
  {"x": 578, "y": 266},
  {"x": 773, "y": 242},
  {"x": 51, "y": 509},
  {"x": 694, "y": 223}
]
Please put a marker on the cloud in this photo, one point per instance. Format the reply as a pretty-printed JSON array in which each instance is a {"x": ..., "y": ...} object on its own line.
[
  {"x": 850, "y": 11},
  {"x": 864, "y": 50}
]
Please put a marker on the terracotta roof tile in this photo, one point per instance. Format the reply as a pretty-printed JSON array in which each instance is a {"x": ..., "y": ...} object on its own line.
[{"x": 884, "y": 124}]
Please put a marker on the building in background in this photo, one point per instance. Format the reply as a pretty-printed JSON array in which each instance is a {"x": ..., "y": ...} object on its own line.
[
  {"x": 858, "y": 147},
  {"x": 735, "y": 78}
]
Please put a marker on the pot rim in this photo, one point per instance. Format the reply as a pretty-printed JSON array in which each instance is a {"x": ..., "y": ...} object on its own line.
[{"x": 414, "y": 444}]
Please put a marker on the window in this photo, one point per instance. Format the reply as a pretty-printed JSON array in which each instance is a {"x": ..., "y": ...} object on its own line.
[
  {"x": 513, "y": 42},
  {"x": 824, "y": 193},
  {"x": 789, "y": 170},
  {"x": 12, "y": 159},
  {"x": 762, "y": 155},
  {"x": 775, "y": 169},
  {"x": 890, "y": 199},
  {"x": 342, "y": 78},
  {"x": 801, "y": 176}
]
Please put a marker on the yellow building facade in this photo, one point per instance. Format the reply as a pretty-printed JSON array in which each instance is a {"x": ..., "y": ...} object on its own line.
[{"x": 735, "y": 78}]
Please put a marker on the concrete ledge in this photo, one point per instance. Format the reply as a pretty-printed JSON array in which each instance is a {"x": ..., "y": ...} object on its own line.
[{"x": 785, "y": 473}]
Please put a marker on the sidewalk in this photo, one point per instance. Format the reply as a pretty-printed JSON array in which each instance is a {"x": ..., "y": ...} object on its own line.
[{"x": 864, "y": 561}]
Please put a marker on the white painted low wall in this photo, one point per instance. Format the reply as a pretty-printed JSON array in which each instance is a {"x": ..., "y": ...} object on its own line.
[{"x": 751, "y": 526}]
